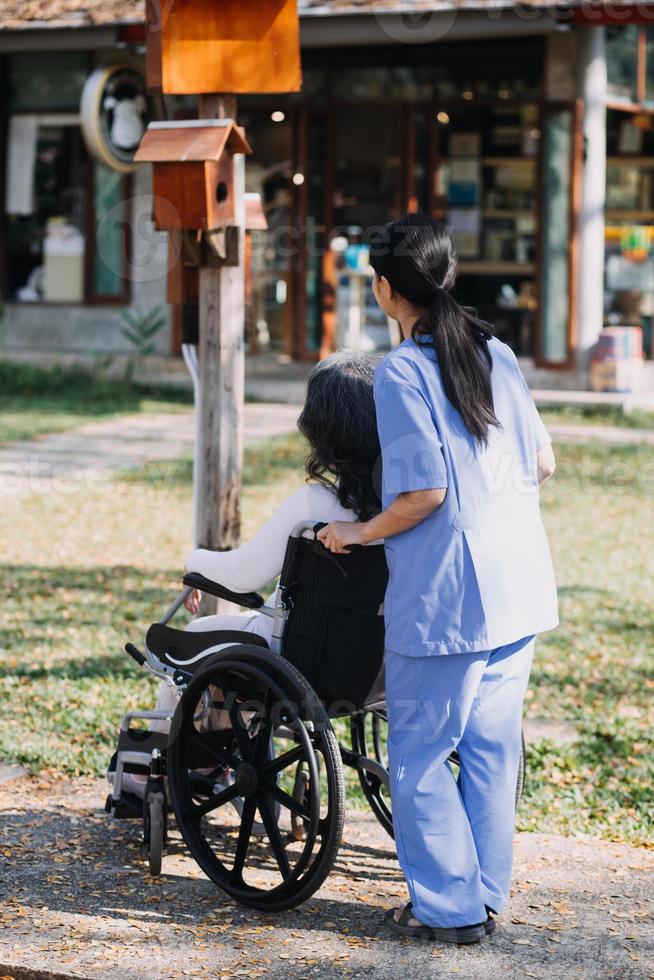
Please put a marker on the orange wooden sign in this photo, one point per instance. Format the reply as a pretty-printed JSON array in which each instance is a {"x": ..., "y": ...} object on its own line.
[{"x": 201, "y": 46}]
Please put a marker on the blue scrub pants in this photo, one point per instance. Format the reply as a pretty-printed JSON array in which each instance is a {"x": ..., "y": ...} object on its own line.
[{"x": 455, "y": 838}]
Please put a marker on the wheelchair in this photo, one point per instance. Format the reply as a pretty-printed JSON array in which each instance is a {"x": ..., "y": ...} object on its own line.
[{"x": 251, "y": 767}]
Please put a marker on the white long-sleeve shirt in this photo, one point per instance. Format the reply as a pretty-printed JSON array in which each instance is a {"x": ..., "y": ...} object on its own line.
[{"x": 255, "y": 563}]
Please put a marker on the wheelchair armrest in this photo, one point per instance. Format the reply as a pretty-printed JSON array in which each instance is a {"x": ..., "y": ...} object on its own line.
[{"x": 251, "y": 600}]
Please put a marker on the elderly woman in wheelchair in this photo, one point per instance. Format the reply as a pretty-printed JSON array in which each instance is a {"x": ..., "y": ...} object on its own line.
[{"x": 240, "y": 745}]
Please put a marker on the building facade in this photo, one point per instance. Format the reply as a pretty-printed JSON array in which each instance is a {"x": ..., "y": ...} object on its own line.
[{"x": 529, "y": 133}]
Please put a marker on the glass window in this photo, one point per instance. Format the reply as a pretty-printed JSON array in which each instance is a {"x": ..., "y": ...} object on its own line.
[
  {"x": 622, "y": 62},
  {"x": 420, "y": 196},
  {"x": 393, "y": 82},
  {"x": 46, "y": 80},
  {"x": 507, "y": 71},
  {"x": 629, "y": 186},
  {"x": 629, "y": 235},
  {"x": 108, "y": 278},
  {"x": 487, "y": 181},
  {"x": 45, "y": 253},
  {"x": 367, "y": 179},
  {"x": 554, "y": 300},
  {"x": 270, "y": 173},
  {"x": 485, "y": 190},
  {"x": 367, "y": 192},
  {"x": 315, "y": 286},
  {"x": 649, "y": 64},
  {"x": 315, "y": 87},
  {"x": 629, "y": 134}
]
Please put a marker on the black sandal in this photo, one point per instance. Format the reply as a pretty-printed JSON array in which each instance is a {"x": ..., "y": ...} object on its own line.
[{"x": 458, "y": 935}]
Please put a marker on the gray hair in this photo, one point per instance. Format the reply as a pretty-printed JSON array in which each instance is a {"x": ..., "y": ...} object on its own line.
[{"x": 338, "y": 421}]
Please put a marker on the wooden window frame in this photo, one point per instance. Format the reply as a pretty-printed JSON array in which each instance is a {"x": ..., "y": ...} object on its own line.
[
  {"x": 90, "y": 297},
  {"x": 641, "y": 104}
]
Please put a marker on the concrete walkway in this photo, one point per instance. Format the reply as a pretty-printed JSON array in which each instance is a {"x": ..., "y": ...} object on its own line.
[
  {"x": 77, "y": 901},
  {"x": 273, "y": 377},
  {"x": 95, "y": 450}
]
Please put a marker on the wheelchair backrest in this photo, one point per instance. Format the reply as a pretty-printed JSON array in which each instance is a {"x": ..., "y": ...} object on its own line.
[{"x": 334, "y": 634}]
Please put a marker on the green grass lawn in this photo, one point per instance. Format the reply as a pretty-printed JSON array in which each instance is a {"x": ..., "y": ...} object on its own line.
[
  {"x": 35, "y": 401},
  {"x": 85, "y": 572},
  {"x": 597, "y": 415}
]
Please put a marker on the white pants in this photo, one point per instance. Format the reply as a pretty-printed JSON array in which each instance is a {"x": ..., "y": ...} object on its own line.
[{"x": 252, "y": 622}]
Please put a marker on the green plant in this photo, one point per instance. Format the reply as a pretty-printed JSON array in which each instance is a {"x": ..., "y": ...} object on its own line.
[
  {"x": 140, "y": 329},
  {"x": 101, "y": 363}
]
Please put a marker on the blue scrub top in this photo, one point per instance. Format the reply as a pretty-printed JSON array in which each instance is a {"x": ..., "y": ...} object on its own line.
[{"x": 477, "y": 573}]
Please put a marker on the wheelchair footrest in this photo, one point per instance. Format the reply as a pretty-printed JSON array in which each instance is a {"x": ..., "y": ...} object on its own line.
[
  {"x": 128, "y": 807},
  {"x": 142, "y": 740}
]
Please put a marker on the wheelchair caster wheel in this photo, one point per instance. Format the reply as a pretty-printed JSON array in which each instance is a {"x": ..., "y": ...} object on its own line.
[{"x": 154, "y": 830}]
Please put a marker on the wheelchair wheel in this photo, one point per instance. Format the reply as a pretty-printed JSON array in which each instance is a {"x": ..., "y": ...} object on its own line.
[
  {"x": 243, "y": 726},
  {"x": 520, "y": 784},
  {"x": 154, "y": 829},
  {"x": 368, "y": 731}
]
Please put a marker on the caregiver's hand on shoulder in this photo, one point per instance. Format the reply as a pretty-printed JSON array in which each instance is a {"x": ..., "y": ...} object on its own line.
[{"x": 339, "y": 534}]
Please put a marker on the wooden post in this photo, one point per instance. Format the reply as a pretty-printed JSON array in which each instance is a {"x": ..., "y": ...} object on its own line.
[
  {"x": 193, "y": 48},
  {"x": 221, "y": 355}
]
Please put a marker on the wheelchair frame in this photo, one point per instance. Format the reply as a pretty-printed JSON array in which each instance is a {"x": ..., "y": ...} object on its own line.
[{"x": 151, "y": 762}]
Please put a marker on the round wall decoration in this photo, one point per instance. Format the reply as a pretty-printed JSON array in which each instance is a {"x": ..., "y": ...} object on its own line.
[{"x": 114, "y": 115}]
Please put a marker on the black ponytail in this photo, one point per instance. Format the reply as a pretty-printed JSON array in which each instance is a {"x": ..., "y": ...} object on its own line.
[
  {"x": 416, "y": 256},
  {"x": 460, "y": 339}
]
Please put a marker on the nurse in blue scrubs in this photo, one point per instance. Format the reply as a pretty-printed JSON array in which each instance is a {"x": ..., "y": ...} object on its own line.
[{"x": 471, "y": 582}]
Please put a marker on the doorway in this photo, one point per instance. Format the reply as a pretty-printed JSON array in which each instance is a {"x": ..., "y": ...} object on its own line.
[{"x": 356, "y": 169}]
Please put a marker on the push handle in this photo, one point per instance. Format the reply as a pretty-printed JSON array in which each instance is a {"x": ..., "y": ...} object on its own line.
[
  {"x": 319, "y": 526},
  {"x": 135, "y": 653}
]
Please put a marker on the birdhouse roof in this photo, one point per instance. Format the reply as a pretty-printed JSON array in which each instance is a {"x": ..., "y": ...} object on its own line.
[{"x": 189, "y": 140}]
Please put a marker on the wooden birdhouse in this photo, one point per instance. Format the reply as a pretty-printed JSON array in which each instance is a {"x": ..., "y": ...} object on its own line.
[{"x": 193, "y": 172}]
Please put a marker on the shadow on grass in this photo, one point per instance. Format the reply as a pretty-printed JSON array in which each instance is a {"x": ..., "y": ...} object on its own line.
[
  {"x": 82, "y": 613},
  {"x": 116, "y": 665},
  {"x": 581, "y": 590}
]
